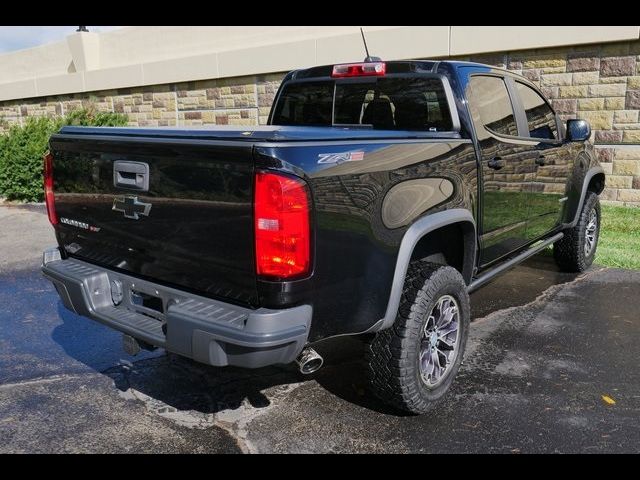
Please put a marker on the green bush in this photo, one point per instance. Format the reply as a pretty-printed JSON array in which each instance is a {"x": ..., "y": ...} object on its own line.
[
  {"x": 23, "y": 146},
  {"x": 88, "y": 117}
]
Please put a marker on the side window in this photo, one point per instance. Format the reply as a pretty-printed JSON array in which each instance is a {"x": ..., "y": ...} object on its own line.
[
  {"x": 540, "y": 117},
  {"x": 491, "y": 98}
]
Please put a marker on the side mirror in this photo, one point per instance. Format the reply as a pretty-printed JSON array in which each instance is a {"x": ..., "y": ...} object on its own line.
[{"x": 578, "y": 131}]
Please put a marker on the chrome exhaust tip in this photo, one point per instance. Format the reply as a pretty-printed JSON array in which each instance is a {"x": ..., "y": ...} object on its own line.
[{"x": 309, "y": 361}]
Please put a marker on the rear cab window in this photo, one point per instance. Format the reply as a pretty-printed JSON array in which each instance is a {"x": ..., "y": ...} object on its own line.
[{"x": 391, "y": 103}]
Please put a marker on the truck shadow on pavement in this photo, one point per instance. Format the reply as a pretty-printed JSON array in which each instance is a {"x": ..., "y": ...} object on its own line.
[
  {"x": 168, "y": 382},
  {"x": 187, "y": 385}
]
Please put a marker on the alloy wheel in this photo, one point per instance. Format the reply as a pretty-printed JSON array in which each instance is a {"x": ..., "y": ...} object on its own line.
[
  {"x": 591, "y": 233},
  {"x": 439, "y": 343}
]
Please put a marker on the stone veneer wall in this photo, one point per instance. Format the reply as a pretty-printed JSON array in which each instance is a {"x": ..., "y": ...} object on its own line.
[
  {"x": 599, "y": 83},
  {"x": 232, "y": 101}
]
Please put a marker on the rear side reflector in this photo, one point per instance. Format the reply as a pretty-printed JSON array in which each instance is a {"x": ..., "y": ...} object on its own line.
[
  {"x": 49, "y": 198},
  {"x": 282, "y": 232},
  {"x": 377, "y": 69}
]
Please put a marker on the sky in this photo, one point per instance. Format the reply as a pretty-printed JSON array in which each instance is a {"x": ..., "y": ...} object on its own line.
[{"x": 18, "y": 38}]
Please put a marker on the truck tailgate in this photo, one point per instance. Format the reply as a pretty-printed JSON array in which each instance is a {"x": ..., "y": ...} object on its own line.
[{"x": 192, "y": 228}]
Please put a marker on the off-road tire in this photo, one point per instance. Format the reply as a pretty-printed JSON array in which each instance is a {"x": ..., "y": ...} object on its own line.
[
  {"x": 569, "y": 253},
  {"x": 392, "y": 356}
]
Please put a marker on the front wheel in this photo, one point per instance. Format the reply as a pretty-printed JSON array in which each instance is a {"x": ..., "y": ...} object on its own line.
[
  {"x": 412, "y": 364},
  {"x": 577, "y": 250}
]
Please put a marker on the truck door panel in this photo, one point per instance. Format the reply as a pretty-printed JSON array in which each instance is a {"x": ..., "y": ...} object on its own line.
[
  {"x": 553, "y": 164},
  {"x": 507, "y": 168}
]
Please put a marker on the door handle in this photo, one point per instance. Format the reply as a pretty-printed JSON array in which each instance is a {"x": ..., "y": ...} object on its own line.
[
  {"x": 541, "y": 161},
  {"x": 496, "y": 163},
  {"x": 131, "y": 175}
]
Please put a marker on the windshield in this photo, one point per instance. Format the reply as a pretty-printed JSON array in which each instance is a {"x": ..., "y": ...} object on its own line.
[{"x": 415, "y": 104}]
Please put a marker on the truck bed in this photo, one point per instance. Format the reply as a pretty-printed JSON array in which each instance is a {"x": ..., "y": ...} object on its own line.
[{"x": 198, "y": 234}]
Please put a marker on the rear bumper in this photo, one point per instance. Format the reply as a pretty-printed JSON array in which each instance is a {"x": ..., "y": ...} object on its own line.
[{"x": 205, "y": 330}]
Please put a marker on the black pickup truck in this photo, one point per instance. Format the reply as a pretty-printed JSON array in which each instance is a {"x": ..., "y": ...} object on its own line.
[{"x": 378, "y": 197}]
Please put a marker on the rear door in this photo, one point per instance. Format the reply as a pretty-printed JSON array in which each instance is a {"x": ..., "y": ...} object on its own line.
[
  {"x": 507, "y": 167},
  {"x": 553, "y": 162},
  {"x": 174, "y": 211}
]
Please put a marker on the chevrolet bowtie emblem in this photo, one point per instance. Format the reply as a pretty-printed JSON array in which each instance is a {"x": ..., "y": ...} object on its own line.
[{"x": 131, "y": 207}]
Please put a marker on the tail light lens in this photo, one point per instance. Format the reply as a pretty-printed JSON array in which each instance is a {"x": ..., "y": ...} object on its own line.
[
  {"x": 282, "y": 229},
  {"x": 48, "y": 189}
]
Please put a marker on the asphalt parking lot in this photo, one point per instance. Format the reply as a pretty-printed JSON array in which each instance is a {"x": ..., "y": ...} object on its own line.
[{"x": 545, "y": 347}]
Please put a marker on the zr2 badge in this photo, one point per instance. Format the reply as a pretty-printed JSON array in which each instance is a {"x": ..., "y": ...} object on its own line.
[{"x": 338, "y": 158}]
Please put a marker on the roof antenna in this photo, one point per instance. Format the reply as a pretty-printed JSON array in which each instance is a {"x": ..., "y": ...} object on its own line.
[{"x": 369, "y": 58}]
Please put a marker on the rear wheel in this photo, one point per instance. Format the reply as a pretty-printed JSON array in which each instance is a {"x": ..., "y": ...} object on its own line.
[
  {"x": 412, "y": 364},
  {"x": 577, "y": 250}
]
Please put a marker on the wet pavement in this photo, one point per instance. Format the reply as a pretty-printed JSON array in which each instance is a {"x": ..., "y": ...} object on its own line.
[{"x": 544, "y": 348}]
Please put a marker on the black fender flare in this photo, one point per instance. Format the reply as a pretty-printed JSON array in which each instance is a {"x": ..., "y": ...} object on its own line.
[
  {"x": 592, "y": 172},
  {"x": 417, "y": 231}
]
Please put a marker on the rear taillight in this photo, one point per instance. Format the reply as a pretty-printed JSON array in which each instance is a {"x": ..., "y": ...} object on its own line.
[
  {"x": 377, "y": 69},
  {"x": 48, "y": 189},
  {"x": 282, "y": 231}
]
